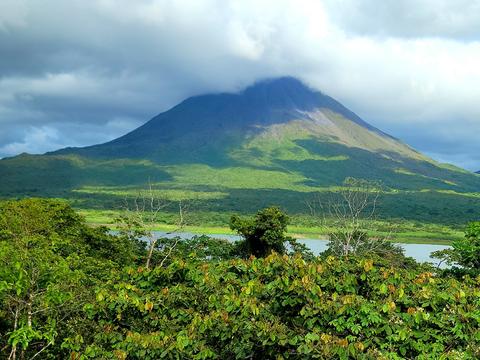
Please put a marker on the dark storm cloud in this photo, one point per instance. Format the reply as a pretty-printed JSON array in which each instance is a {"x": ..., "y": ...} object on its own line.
[{"x": 74, "y": 73}]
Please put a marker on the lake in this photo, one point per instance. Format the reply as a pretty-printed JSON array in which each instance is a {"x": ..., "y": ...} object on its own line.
[{"x": 420, "y": 252}]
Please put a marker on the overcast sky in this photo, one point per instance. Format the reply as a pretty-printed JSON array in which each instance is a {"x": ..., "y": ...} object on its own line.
[{"x": 79, "y": 72}]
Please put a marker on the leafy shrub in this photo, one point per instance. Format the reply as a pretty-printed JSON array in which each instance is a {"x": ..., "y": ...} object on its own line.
[
  {"x": 282, "y": 307},
  {"x": 465, "y": 252}
]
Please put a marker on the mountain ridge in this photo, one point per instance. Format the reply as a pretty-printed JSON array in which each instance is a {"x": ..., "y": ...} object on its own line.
[
  {"x": 286, "y": 93},
  {"x": 277, "y": 141},
  {"x": 266, "y": 103}
]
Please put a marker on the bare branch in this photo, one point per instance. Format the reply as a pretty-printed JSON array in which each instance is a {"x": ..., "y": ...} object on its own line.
[
  {"x": 42, "y": 349},
  {"x": 352, "y": 210},
  {"x": 142, "y": 216}
]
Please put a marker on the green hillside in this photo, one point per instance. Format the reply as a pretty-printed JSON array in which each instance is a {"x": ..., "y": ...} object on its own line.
[{"x": 277, "y": 142}]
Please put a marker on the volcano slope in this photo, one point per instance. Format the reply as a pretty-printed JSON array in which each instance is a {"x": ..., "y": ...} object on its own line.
[{"x": 276, "y": 142}]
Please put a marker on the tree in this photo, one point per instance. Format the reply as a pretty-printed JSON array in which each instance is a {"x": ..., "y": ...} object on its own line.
[
  {"x": 198, "y": 248},
  {"x": 464, "y": 252},
  {"x": 352, "y": 212},
  {"x": 38, "y": 284},
  {"x": 50, "y": 262},
  {"x": 264, "y": 233},
  {"x": 468, "y": 249}
]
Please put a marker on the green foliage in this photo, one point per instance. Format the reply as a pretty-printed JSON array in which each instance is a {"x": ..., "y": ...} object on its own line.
[
  {"x": 35, "y": 272},
  {"x": 201, "y": 247},
  {"x": 282, "y": 307},
  {"x": 49, "y": 263},
  {"x": 360, "y": 244},
  {"x": 71, "y": 291},
  {"x": 465, "y": 252},
  {"x": 264, "y": 233},
  {"x": 469, "y": 249},
  {"x": 206, "y": 248}
]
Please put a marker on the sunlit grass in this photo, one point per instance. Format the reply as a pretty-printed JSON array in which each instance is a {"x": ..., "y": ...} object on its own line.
[
  {"x": 236, "y": 178},
  {"x": 164, "y": 193}
]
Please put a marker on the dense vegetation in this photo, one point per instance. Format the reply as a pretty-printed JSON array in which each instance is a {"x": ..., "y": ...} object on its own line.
[
  {"x": 71, "y": 291},
  {"x": 92, "y": 184}
]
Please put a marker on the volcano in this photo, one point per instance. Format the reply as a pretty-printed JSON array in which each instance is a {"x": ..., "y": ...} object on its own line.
[{"x": 274, "y": 142}]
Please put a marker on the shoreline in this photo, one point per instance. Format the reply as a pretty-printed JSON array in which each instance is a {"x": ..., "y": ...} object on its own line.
[{"x": 294, "y": 231}]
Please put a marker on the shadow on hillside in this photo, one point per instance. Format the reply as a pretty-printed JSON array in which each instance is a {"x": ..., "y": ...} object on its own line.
[
  {"x": 384, "y": 166},
  {"x": 40, "y": 175}
]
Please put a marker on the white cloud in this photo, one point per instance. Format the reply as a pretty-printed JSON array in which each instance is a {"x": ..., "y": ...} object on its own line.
[{"x": 36, "y": 139}]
